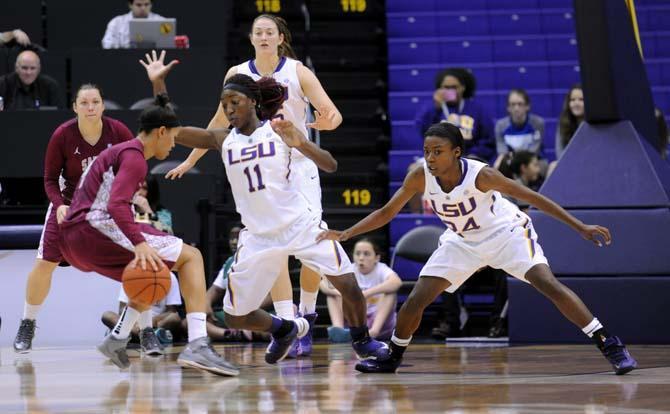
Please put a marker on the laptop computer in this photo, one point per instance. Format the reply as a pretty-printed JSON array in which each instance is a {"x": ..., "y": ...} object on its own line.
[{"x": 146, "y": 34}]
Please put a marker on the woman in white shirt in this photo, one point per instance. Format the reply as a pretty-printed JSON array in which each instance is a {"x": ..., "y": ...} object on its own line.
[{"x": 379, "y": 284}]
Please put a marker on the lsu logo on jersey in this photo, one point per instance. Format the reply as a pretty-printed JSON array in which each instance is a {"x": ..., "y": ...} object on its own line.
[
  {"x": 458, "y": 210},
  {"x": 252, "y": 152}
]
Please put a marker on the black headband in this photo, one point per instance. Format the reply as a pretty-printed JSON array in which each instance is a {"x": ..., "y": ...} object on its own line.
[{"x": 241, "y": 89}]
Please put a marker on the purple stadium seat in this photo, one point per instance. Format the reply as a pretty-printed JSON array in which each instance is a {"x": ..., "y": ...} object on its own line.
[
  {"x": 662, "y": 97},
  {"x": 404, "y": 105},
  {"x": 515, "y": 22},
  {"x": 648, "y": 41},
  {"x": 556, "y": 4},
  {"x": 654, "y": 72},
  {"x": 664, "y": 65},
  {"x": 404, "y": 136},
  {"x": 562, "y": 47},
  {"x": 403, "y": 223},
  {"x": 485, "y": 75},
  {"x": 418, "y": 24},
  {"x": 414, "y": 51},
  {"x": 563, "y": 74},
  {"x": 407, "y": 269},
  {"x": 513, "y": 4},
  {"x": 474, "y": 50},
  {"x": 558, "y": 21},
  {"x": 462, "y": 24},
  {"x": 658, "y": 18},
  {"x": 399, "y": 161},
  {"x": 662, "y": 45},
  {"x": 513, "y": 49},
  {"x": 394, "y": 186},
  {"x": 393, "y": 6},
  {"x": 527, "y": 76},
  {"x": 412, "y": 77}
]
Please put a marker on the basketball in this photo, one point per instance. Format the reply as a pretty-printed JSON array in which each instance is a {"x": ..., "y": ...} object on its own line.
[{"x": 146, "y": 286}]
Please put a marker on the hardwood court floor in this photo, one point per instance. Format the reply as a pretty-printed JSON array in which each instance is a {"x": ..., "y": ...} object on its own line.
[{"x": 435, "y": 377}]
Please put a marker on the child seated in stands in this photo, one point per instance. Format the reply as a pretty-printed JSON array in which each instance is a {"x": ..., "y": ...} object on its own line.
[{"x": 379, "y": 284}]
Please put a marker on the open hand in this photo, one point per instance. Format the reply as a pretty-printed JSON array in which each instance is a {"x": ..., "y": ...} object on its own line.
[
  {"x": 323, "y": 121},
  {"x": 21, "y": 37},
  {"x": 333, "y": 235},
  {"x": 145, "y": 253},
  {"x": 156, "y": 67},
  {"x": 596, "y": 234},
  {"x": 179, "y": 170},
  {"x": 287, "y": 132}
]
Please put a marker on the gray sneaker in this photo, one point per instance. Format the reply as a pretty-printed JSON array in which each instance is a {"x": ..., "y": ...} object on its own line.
[
  {"x": 200, "y": 354},
  {"x": 115, "y": 350},
  {"x": 24, "y": 337},
  {"x": 149, "y": 343}
]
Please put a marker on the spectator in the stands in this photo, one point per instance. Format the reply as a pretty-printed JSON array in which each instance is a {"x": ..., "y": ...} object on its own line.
[
  {"x": 148, "y": 207},
  {"x": 379, "y": 284},
  {"x": 452, "y": 102},
  {"x": 524, "y": 167},
  {"x": 28, "y": 88},
  {"x": 117, "y": 35},
  {"x": 16, "y": 35},
  {"x": 521, "y": 130},
  {"x": 572, "y": 115}
]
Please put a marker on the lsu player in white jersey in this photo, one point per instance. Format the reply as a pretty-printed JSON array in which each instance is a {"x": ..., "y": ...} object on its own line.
[
  {"x": 483, "y": 228},
  {"x": 279, "y": 221},
  {"x": 274, "y": 57}
]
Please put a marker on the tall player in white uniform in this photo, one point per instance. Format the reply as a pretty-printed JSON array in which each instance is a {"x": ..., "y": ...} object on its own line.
[
  {"x": 279, "y": 220},
  {"x": 274, "y": 57},
  {"x": 483, "y": 229}
]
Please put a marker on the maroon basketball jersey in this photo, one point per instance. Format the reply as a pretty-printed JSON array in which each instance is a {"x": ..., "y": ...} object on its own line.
[
  {"x": 104, "y": 195},
  {"x": 68, "y": 154}
]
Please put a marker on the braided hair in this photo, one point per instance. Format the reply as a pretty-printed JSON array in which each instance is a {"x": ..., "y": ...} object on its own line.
[{"x": 267, "y": 92}]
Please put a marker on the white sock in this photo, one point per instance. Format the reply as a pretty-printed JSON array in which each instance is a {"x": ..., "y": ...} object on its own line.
[
  {"x": 126, "y": 322},
  {"x": 307, "y": 302},
  {"x": 146, "y": 319},
  {"x": 592, "y": 327},
  {"x": 284, "y": 309},
  {"x": 197, "y": 327},
  {"x": 400, "y": 342},
  {"x": 30, "y": 311}
]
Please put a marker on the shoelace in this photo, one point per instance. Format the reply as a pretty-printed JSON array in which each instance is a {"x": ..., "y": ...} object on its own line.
[{"x": 26, "y": 330}]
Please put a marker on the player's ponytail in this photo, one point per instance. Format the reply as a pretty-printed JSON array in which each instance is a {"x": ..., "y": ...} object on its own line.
[
  {"x": 267, "y": 92},
  {"x": 158, "y": 114},
  {"x": 273, "y": 95},
  {"x": 285, "y": 48}
]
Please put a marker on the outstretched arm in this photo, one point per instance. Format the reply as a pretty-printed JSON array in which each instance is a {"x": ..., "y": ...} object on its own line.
[
  {"x": 295, "y": 139},
  {"x": 491, "y": 179},
  {"x": 206, "y": 139},
  {"x": 414, "y": 183}
]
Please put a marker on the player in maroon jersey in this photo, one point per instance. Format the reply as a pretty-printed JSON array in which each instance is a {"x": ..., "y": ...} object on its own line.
[
  {"x": 73, "y": 146},
  {"x": 99, "y": 234}
]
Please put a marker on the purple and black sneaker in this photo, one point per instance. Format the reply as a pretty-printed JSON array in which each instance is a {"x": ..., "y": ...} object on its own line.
[
  {"x": 280, "y": 347},
  {"x": 617, "y": 354},
  {"x": 369, "y": 348}
]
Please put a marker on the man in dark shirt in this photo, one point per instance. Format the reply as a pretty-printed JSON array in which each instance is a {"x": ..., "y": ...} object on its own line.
[{"x": 27, "y": 88}]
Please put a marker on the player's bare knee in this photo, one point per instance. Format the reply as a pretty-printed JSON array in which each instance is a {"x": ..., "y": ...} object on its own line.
[{"x": 188, "y": 254}]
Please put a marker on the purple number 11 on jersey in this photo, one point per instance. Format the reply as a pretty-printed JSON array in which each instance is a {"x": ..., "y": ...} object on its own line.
[{"x": 259, "y": 177}]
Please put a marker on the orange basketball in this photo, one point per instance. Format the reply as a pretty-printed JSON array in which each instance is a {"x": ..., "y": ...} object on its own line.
[{"x": 146, "y": 286}]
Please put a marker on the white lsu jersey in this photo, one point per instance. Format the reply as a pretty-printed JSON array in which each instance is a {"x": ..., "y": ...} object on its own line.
[
  {"x": 470, "y": 213},
  {"x": 286, "y": 73},
  {"x": 259, "y": 171}
]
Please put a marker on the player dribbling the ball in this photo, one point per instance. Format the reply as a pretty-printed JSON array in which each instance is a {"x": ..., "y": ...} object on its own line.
[{"x": 99, "y": 234}]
